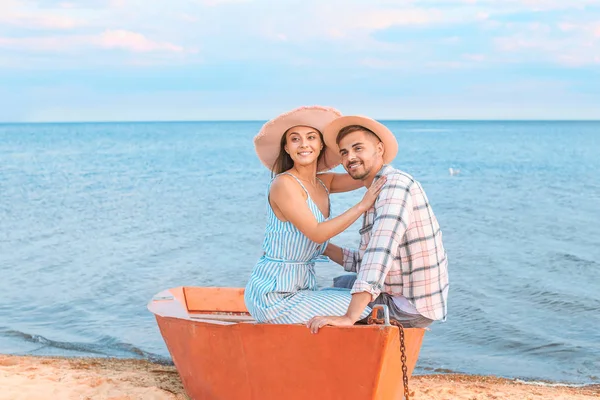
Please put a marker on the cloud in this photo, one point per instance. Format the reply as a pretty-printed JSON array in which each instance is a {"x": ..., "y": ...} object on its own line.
[
  {"x": 213, "y": 3},
  {"x": 567, "y": 43},
  {"x": 474, "y": 57},
  {"x": 117, "y": 3},
  {"x": 534, "y": 5},
  {"x": 343, "y": 24},
  {"x": 325, "y": 32},
  {"x": 51, "y": 22},
  {"x": 8, "y": 5},
  {"x": 132, "y": 41},
  {"x": 378, "y": 63},
  {"x": 109, "y": 39},
  {"x": 386, "y": 18},
  {"x": 85, "y": 4},
  {"x": 17, "y": 14},
  {"x": 189, "y": 18},
  {"x": 543, "y": 49},
  {"x": 447, "y": 65}
]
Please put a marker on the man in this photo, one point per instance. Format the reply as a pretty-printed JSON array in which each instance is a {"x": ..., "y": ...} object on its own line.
[{"x": 401, "y": 261}]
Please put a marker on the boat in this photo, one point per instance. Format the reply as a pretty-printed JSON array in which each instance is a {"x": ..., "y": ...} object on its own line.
[{"x": 222, "y": 353}]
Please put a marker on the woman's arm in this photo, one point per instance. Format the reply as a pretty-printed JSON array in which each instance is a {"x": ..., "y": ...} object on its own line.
[
  {"x": 339, "y": 183},
  {"x": 288, "y": 197}
]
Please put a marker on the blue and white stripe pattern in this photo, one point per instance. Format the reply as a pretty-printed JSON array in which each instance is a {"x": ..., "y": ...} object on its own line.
[{"x": 283, "y": 287}]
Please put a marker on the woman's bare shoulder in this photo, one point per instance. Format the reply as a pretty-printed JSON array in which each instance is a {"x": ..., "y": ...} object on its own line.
[{"x": 284, "y": 184}]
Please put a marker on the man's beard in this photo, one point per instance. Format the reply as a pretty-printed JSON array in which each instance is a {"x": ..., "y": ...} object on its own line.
[{"x": 359, "y": 176}]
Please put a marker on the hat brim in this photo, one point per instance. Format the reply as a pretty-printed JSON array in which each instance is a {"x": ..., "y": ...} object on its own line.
[
  {"x": 390, "y": 144},
  {"x": 267, "y": 142}
]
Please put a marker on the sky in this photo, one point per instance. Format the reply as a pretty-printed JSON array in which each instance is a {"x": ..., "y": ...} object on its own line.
[{"x": 167, "y": 60}]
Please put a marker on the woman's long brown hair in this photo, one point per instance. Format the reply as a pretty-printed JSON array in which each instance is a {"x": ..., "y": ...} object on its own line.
[{"x": 284, "y": 161}]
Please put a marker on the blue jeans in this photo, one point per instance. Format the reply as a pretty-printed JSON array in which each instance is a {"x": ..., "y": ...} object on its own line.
[{"x": 407, "y": 320}]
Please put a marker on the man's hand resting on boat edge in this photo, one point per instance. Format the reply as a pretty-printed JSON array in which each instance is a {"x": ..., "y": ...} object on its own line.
[
  {"x": 318, "y": 322},
  {"x": 355, "y": 309}
]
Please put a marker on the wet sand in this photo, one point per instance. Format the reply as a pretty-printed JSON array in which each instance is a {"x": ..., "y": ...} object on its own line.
[{"x": 28, "y": 378}]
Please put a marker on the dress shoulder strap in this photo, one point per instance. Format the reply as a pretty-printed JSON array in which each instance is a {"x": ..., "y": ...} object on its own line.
[
  {"x": 297, "y": 180},
  {"x": 319, "y": 179}
]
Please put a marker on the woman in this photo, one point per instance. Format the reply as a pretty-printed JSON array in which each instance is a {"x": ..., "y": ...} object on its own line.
[{"x": 282, "y": 287}]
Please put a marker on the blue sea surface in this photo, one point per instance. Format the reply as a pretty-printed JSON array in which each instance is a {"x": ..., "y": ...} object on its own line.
[{"x": 96, "y": 218}]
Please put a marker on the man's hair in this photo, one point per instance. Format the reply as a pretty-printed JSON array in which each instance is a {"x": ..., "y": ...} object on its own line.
[{"x": 345, "y": 131}]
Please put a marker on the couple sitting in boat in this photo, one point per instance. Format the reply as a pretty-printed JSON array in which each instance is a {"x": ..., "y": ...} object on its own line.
[{"x": 401, "y": 261}]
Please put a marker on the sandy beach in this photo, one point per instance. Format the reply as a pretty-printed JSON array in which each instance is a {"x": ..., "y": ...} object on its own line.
[{"x": 28, "y": 378}]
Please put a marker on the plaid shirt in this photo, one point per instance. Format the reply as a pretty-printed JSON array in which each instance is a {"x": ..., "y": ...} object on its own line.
[{"x": 401, "y": 250}]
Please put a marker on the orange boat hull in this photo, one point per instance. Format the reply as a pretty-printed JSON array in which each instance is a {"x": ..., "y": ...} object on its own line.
[{"x": 231, "y": 357}]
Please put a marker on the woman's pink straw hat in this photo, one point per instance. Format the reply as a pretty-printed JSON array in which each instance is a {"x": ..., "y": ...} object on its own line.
[{"x": 268, "y": 141}]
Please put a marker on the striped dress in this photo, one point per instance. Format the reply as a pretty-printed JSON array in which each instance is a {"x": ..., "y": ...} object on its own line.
[{"x": 283, "y": 287}]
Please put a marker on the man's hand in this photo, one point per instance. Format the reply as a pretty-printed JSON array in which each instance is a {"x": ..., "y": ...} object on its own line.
[
  {"x": 357, "y": 305},
  {"x": 318, "y": 322}
]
